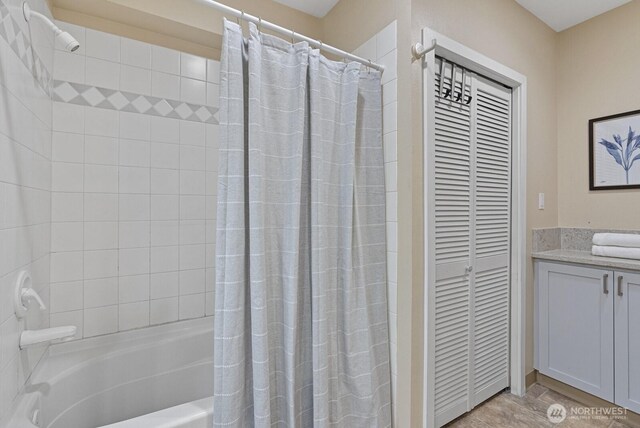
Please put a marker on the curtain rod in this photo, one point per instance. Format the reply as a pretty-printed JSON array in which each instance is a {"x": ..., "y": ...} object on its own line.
[{"x": 281, "y": 30}]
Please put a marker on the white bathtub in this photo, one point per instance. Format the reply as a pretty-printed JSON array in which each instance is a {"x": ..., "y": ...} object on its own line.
[{"x": 129, "y": 379}]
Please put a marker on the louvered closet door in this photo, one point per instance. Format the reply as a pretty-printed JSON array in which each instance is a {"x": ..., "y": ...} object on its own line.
[
  {"x": 452, "y": 217},
  {"x": 471, "y": 176},
  {"x": 492, "y": 239}
]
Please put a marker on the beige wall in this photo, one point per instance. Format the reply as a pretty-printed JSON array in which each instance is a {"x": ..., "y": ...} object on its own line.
[{"x": 598, "y": 75}]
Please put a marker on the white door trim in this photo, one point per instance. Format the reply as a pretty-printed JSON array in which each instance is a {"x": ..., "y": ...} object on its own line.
[{"x": 472, "y": 60}]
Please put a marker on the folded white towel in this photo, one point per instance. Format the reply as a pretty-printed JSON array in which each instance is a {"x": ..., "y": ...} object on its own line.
[
  {"x": 620, "y": 252},
  {"x": 617, "y": 240}
]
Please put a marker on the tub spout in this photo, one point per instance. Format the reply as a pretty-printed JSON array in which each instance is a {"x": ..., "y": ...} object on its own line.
[{"x": 34, "y": 337}]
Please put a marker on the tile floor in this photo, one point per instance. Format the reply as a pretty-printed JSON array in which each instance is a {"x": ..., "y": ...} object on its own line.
[{"x": 530, "y": 411}]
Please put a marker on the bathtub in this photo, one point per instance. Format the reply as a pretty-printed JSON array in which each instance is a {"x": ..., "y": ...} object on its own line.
[{"x": 154, "y": 377}]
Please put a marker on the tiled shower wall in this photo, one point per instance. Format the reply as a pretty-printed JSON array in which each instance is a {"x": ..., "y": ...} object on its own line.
[
  {"x": 382, "y": 48},
  {"x": 133, "y": 184},
  {"x": 25, "y": 171}
]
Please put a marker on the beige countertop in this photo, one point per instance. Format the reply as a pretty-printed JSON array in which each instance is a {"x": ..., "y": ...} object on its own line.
[{"x": 586, "y": 258}]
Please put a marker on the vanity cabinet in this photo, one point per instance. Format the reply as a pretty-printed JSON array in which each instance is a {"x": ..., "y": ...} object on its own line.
[
  {"x": 588, "y": 329},
  {"x": 627, "y": 340}
]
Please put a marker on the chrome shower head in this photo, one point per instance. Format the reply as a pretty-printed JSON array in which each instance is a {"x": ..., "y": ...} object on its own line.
[{"x": 62, "y": 37}]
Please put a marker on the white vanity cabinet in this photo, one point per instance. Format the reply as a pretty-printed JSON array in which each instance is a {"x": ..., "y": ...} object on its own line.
[
  {"x": 627, "y": 340},
  {"x": 588, "y": 329}
]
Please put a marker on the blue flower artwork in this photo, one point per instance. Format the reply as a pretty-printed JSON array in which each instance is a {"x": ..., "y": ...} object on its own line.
[{"x": 615, "y": 152}]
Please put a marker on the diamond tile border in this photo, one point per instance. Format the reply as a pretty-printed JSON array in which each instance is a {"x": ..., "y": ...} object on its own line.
[
  {"x": 93, "y": 96},
  {"x": 21, "y": 45}
]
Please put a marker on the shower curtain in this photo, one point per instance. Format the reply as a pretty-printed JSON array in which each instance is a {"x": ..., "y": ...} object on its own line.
[{"x": 301, "y": 334}]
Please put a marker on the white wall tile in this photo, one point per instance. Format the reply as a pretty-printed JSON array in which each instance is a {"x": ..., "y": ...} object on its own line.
[
  {"x": 165, "y": 259},
  {"x": 100, "y": 207},
  {"x": 193, "y": 91},
  {"x": 133, "y": 234},
  {"x": 101, "y": 150},
  {"x": 193, "y": 66},
  {"x": 101, "y": 73},
  {"x": 192, "y": 158},
  {"x": 100, "y": 292},
  {"x": 66, "y": 236},
  {"x": 164, "y": 233},
  {"x": 69, "y": 67},
  {"x": 134, "y": 79},
  {"x": 101, "y": 320},
  {"x": 192, "y": 133},
  {"x": 100, "y": 264},
  {"x": 165, "y": 85},
  {"x": 102, "y": 45},
  {"x": 66, "y": 206},
  {"x": 134, "y": 288},
  {"x": 100, "y": 121},
  {"x": 209, "y": 303},
  {"x": 66, "y": 296},
  {"x": 131, "y": 206},
  {"x": 164, "y": 310},
  {"x": 213, "y": 94},
  {"x": 386, "y": 40},
  {"x": 192, "y": 281},
  {"x": 134, "y": 153},
  {"x": 165, "y": 155},
  {"x": 68, "y": 118},
  {"x": 101, "y": 178},
  {"x": 192, "y": 232},
  {"x": 134, "y": 261},
  {"x": 165, "y": 130},
  {"x": 192, "y": 183},
  {"x": 101, "y": 235},
  {"x": 192, "y": 257},
  {"x": 67, "y": 147},
  {"x": 165, "y": 182},
  {"x": 165, "y": 60},
  {"x": 66, "y": 266},
  {"x": 164, "y": 285},
  {"x": 133, "y": 315},
  {"x": 191, "y": 306},
  {"x": 136, "y": 53},
  {"x": 213, "y": 71},
  {"x": 134, "y": 126},
  {"x": 134, "y": 180},
  {"x": 67, "y": 177},
  {"x": 134, "y": 207}
]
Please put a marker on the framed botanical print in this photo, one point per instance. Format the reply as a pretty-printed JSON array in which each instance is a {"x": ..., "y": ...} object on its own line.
[{"x": 614, "y": 151}]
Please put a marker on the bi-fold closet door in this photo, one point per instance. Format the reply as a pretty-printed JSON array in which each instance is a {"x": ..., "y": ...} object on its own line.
[{"x": 468, "y": 257}]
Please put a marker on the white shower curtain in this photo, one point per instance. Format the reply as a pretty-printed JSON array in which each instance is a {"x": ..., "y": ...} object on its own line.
[{"x": 301, "y": 333}]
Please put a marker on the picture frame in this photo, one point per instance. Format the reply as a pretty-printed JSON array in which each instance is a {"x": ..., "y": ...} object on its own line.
[{"x": 614, "y": 161}]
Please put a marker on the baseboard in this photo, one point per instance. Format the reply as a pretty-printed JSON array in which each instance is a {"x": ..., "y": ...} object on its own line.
[
  {"x": 530, "y": 378},
  {"x": 585, "y": 398}
]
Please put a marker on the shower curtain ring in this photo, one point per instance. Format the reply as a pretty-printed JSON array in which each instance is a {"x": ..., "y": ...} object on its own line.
[
  {"x": 293, "y": 37},
  {"x": 370, "y": 67},
  {"x": 259, "y": 24}
]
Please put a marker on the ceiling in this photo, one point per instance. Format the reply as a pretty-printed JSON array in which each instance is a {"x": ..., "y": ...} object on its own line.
[
  {"x": 317, "y": 8},
  {"x": 562, "y": 14}
]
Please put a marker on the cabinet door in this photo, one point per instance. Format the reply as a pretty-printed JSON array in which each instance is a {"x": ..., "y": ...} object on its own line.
[
  {"x": 575, "y": 317},
  {"x": 627, "y": 338}
]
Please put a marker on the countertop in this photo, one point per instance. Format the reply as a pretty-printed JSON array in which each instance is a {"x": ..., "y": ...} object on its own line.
[{"x": 586, "y": 258}]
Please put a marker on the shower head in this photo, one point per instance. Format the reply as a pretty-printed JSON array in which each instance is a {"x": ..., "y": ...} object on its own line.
[{"x": 65, "y": 39}]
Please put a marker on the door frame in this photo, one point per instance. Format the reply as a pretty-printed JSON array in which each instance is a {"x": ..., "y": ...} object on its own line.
[{"x": 480, "y": 64}]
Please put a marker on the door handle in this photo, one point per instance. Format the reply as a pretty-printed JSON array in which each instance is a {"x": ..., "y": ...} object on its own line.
[
  {"x": 468, "y": 269},
  {"x": 605, "y": 283},
  {"x": 620, "y": 286}
]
